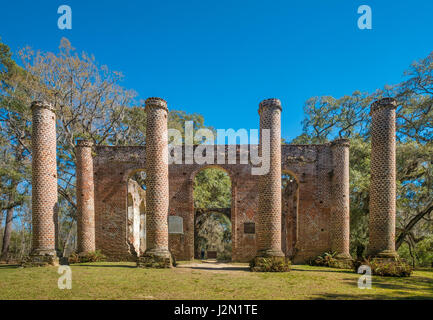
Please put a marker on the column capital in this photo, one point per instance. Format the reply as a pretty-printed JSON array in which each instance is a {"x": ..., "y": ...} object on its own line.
[
  {"x": 343, "y": 142},
  {"x": 155, "y": 102},
  {"x": 389, "y": 103},
  {"x": 84, "y": 143},
  {"x": 270, "y": 103},
  {"x": 42, "y": 104}
]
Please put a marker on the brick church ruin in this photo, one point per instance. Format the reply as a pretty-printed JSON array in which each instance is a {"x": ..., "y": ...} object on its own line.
[{"x": 115, "y": 215}]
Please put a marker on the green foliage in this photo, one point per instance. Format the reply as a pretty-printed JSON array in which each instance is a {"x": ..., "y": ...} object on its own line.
[
  {"x": 74, "y": 258},
  {"x": 386, "y": 267},
  {"x": 420, "y": 254},
  {"x": 270, "y": 264},
  {"x": 359, "y": 194},
  {"x": 213, "y": 232},
  {"x": 327, "y": 259},
  {"x": 95, "y": 256},
  {"x": 212, "y": 189}
]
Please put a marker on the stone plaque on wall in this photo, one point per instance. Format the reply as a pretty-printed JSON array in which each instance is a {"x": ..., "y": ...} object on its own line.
[
  {"x": 175, "y": 225},
  {"x": 249, "y": 228}
]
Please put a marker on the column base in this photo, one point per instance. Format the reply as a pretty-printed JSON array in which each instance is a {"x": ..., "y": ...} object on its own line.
[
  {"x": 342, "y": 261},
  {"x": 155, "y": 258},
  {"x": 270, "y": 264},
  {"x": 41, "y": 258},
  {"x": 270, "y": 253},
  {"x": 387, "y": 254}
]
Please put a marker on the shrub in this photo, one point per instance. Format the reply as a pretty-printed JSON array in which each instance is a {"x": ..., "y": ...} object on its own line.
[
  {"x": 386, "y": 267},
  {"x": 73, "y": 258},
  {"x": 270, "y": 264},
  {"x": 224, "y": 256},
  {"x": 326, "y": 259},
  {"x": 94, "y": 256}
]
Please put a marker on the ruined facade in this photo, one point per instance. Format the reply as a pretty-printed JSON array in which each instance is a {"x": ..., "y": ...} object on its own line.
[
  {"x": 312, "y": 218},
  {"x": 304, "y": 227}
]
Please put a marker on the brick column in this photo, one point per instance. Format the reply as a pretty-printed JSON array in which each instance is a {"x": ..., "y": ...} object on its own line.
[
  {"x": 383, "y": 175},
  {"x": 157, "y": 197},
  {"x": 85, "y": 197},
  {"x": 44, "y": 185},
  {"x": 340, "y": 214},
  {"x": 269, "y": 213}
]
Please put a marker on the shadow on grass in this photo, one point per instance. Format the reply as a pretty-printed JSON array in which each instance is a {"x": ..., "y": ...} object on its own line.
[
  {"x": 424, "y": 269},
  {"x": 332, "y": 296},
  {"x": 214, "y": 267},
  {"x": 220, "y": 269},
  {"x": 105, "y": 266},
  {"x": 330, "y": 270},
  {"x": 412, "y": 284},
  {"x": 404, "y": 288},
  {"x": 9, "y": 266}
]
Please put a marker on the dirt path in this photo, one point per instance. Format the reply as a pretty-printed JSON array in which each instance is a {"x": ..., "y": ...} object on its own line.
[{"x": 215, "y": 266}]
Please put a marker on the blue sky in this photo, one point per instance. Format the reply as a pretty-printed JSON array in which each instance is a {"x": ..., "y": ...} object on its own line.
[{"x": 221, "y": 58}]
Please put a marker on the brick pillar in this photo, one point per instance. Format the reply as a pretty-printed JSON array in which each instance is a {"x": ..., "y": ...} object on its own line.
[
  {"x": 269, "y": 213},
  {"x": 44, "y": 185},
  {"x": 85, "y": 197},
  {"x": 156, "y": 254},
  {"x": 382, "y": 183},
  {"x": 340, "y": 214}
]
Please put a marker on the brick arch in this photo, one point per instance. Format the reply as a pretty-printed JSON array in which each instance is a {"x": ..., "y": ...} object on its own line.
[
  {"x": 231, "y": 173},
  {"x": 289, "y": 218},
  {"x": 199, "y": 168},
  {"x": 290, "y": 172}
]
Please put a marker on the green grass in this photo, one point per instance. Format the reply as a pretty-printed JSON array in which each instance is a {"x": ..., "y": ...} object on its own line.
[{"x": 107, "y": 280}]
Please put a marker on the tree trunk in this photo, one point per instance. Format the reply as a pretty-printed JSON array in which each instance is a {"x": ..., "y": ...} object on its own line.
[
  {"x": 68, "y": 239},
  {"x": 1, "y": 226},
  {"x": 407, "y": 229},
  {"x": 7, "y": 234}
]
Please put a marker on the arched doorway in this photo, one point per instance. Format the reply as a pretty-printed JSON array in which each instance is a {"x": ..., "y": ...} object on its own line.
[
  {"x": 289, "y": 212},
  {"x": 136, "y": 212},
  {"x": 212, "y": 193}
]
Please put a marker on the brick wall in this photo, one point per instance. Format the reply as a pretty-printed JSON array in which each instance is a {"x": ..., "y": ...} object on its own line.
[{"x": 311, "y": 165}]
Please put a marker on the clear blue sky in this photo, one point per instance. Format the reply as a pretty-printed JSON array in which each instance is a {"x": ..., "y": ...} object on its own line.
[{"x": 221, "y": 58}]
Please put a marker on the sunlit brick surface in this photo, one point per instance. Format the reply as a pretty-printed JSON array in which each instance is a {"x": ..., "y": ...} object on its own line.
[
  {"x": 269, "y": 211},
  {"x": 85, "y": 197},
  {"x": 44, "y": 179},
  {"x": 157, "y": 175},
  {"x": 383, "y": 175},
  {"x": 340, "y": 214}
]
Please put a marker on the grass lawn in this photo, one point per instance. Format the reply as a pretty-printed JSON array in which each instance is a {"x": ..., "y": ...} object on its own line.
[{"x": 108, "y": 280}]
